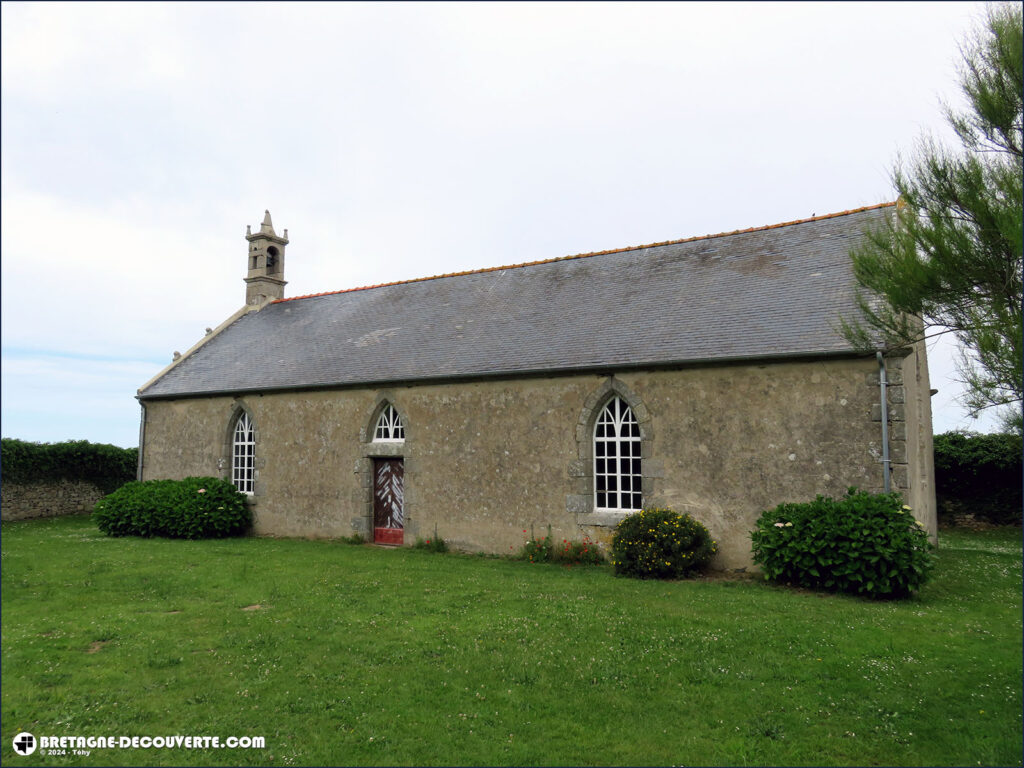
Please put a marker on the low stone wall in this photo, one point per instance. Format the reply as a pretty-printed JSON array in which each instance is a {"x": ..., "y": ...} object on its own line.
[{"x": 47, "y": 499}]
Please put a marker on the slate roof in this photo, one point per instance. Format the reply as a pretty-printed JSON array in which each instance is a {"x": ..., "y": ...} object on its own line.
[{"x": 762, "y": 293}]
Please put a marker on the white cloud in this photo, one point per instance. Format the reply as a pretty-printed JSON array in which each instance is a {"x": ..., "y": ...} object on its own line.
[
  {"x": 403, "y": 140},
  {"x": 51, "y": 49},
  {"x": 51, "y": 398},
  {"x": 85, "y": 280},
  {"x": 948, "y": 411}
]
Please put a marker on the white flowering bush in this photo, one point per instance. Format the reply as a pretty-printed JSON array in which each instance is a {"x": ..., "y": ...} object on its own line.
[
  {"x": 193, "y": 508},
  {"x": 867, "y": 544}
]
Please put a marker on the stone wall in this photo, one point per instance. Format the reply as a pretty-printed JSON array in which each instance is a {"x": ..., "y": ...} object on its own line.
[
  {"x": 486, "y": 459},
  {"x": 911, "y": 444},
  {"x": 47, "y": 499}
]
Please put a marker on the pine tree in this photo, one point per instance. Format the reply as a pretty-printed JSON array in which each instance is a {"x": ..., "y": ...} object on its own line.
[{"x": 949, "y": 259}]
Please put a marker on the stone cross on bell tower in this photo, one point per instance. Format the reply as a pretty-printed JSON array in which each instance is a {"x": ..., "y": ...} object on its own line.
[{"x": 265, "y": 281}]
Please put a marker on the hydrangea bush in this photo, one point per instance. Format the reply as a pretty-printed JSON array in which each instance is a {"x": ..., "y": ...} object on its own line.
[
  {"x": 661, "y": 544},
  {"x": 193, "y": 508},
  {"x": 867, "y": 544}
]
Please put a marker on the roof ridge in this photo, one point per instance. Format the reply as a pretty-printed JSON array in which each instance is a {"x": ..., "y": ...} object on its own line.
[{"x": 593, "y": 253}]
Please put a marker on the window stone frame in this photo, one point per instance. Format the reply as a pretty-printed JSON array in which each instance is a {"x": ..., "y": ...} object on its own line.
[
  {"x": 376, "y": 424},
  {"x": 581, "y": 470},
  {"x": 226, "y": 462}
]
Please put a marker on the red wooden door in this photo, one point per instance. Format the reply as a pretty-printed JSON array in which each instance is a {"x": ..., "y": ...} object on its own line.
[{"x": 388, "y": 520}]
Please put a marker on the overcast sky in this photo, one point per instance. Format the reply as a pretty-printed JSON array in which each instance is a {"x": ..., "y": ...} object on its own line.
[{"x": 397, "y": 141}]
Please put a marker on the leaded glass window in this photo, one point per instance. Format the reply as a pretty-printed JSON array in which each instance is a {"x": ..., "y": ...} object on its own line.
[
  {"x": 389, "y": 426},
  {"x": 617, "y": 474},
  {"x": 243, "y": 454}
]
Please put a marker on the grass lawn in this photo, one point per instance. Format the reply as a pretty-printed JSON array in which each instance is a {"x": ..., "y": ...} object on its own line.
[{"x": 356, "y": 655}]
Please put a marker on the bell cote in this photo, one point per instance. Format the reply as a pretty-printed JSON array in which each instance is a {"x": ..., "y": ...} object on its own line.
[{"x": 265, "y": 280}]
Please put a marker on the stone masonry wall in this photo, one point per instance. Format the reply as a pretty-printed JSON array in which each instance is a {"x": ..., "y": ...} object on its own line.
[
  {"x": 910, "y": 432},
  {"x": 485, "y": 460},
  {"x": 47, "y": 499}
]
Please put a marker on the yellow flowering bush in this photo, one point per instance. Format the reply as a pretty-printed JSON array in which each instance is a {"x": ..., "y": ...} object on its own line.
[{"x": 661, "y": 544}]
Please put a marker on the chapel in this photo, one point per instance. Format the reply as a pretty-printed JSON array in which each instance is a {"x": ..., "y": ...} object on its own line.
[{"x": 705, "y": 374}]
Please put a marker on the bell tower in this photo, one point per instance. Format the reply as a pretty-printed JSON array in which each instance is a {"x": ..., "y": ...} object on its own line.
[{"x": 265, "y": 281}]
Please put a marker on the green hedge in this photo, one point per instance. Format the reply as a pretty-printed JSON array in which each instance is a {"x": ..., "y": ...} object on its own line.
[
  {"x": 193, "y": 508},
  {"x": 979, "y": 475},
  {"x": 106, "y": 466}
]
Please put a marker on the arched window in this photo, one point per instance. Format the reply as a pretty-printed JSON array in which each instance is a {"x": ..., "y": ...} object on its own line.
[
  {"x": 617, "y": 476},
  {"x": 243, "y": 454},
  {"x": 389, "y": 427}
]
